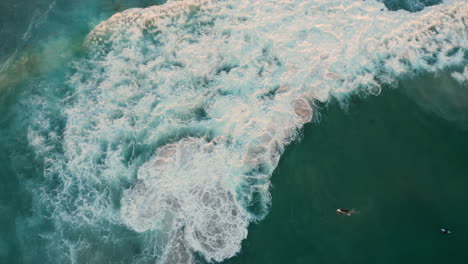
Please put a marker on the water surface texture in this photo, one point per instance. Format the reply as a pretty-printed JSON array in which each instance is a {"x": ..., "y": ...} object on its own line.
[
  {"x": 402, "y": 169},
  {"x": 150, "y": 134}
]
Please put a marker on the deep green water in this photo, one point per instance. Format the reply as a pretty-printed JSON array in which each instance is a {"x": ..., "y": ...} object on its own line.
[{"x": 403, "y": 169}]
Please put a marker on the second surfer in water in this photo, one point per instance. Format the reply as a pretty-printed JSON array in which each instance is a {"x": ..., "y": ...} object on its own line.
[{"x": 445, "y": 231}]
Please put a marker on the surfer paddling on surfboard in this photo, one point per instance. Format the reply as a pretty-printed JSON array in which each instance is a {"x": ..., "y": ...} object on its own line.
[{"x": 344, "y": 212}]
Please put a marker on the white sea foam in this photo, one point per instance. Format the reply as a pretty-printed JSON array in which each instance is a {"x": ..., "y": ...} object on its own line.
[
  {"x": 461, "y": 77},
  {"x": 191, "y": 186},
  {"x": 197, "y": 100}
]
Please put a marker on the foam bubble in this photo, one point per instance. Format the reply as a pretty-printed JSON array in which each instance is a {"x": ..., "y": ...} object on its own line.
[{"x": 461, "y": 77}]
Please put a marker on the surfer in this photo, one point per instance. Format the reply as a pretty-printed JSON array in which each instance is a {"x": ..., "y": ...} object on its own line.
[
  {"x": 445, "y": 231},
  {"x": 344, "y": 211}
]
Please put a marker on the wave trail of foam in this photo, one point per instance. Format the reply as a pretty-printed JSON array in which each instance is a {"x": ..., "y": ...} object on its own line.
[
  {"x": 188, "y": 185},
  {"x": 179, "y": 113}
]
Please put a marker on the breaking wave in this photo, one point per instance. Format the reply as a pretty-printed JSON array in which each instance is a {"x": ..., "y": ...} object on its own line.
[{"x": 171, "y": 125}]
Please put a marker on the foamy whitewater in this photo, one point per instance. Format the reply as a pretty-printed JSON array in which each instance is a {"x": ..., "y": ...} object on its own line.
[{"x": 176, "y": 117}]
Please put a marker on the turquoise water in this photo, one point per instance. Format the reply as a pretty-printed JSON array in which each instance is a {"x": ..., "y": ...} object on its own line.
[{"x": 230, "y": 131}]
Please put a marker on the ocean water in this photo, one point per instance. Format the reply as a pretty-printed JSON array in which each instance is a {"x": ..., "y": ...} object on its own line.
[
  {"x": 230, "y": 131},
  {"x": 401, "y": 168}
]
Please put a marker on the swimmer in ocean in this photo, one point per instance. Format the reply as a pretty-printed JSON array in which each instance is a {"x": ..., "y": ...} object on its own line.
[
  {"x": 344, "y": 211},
  {"x": 445, "y": 231}
]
